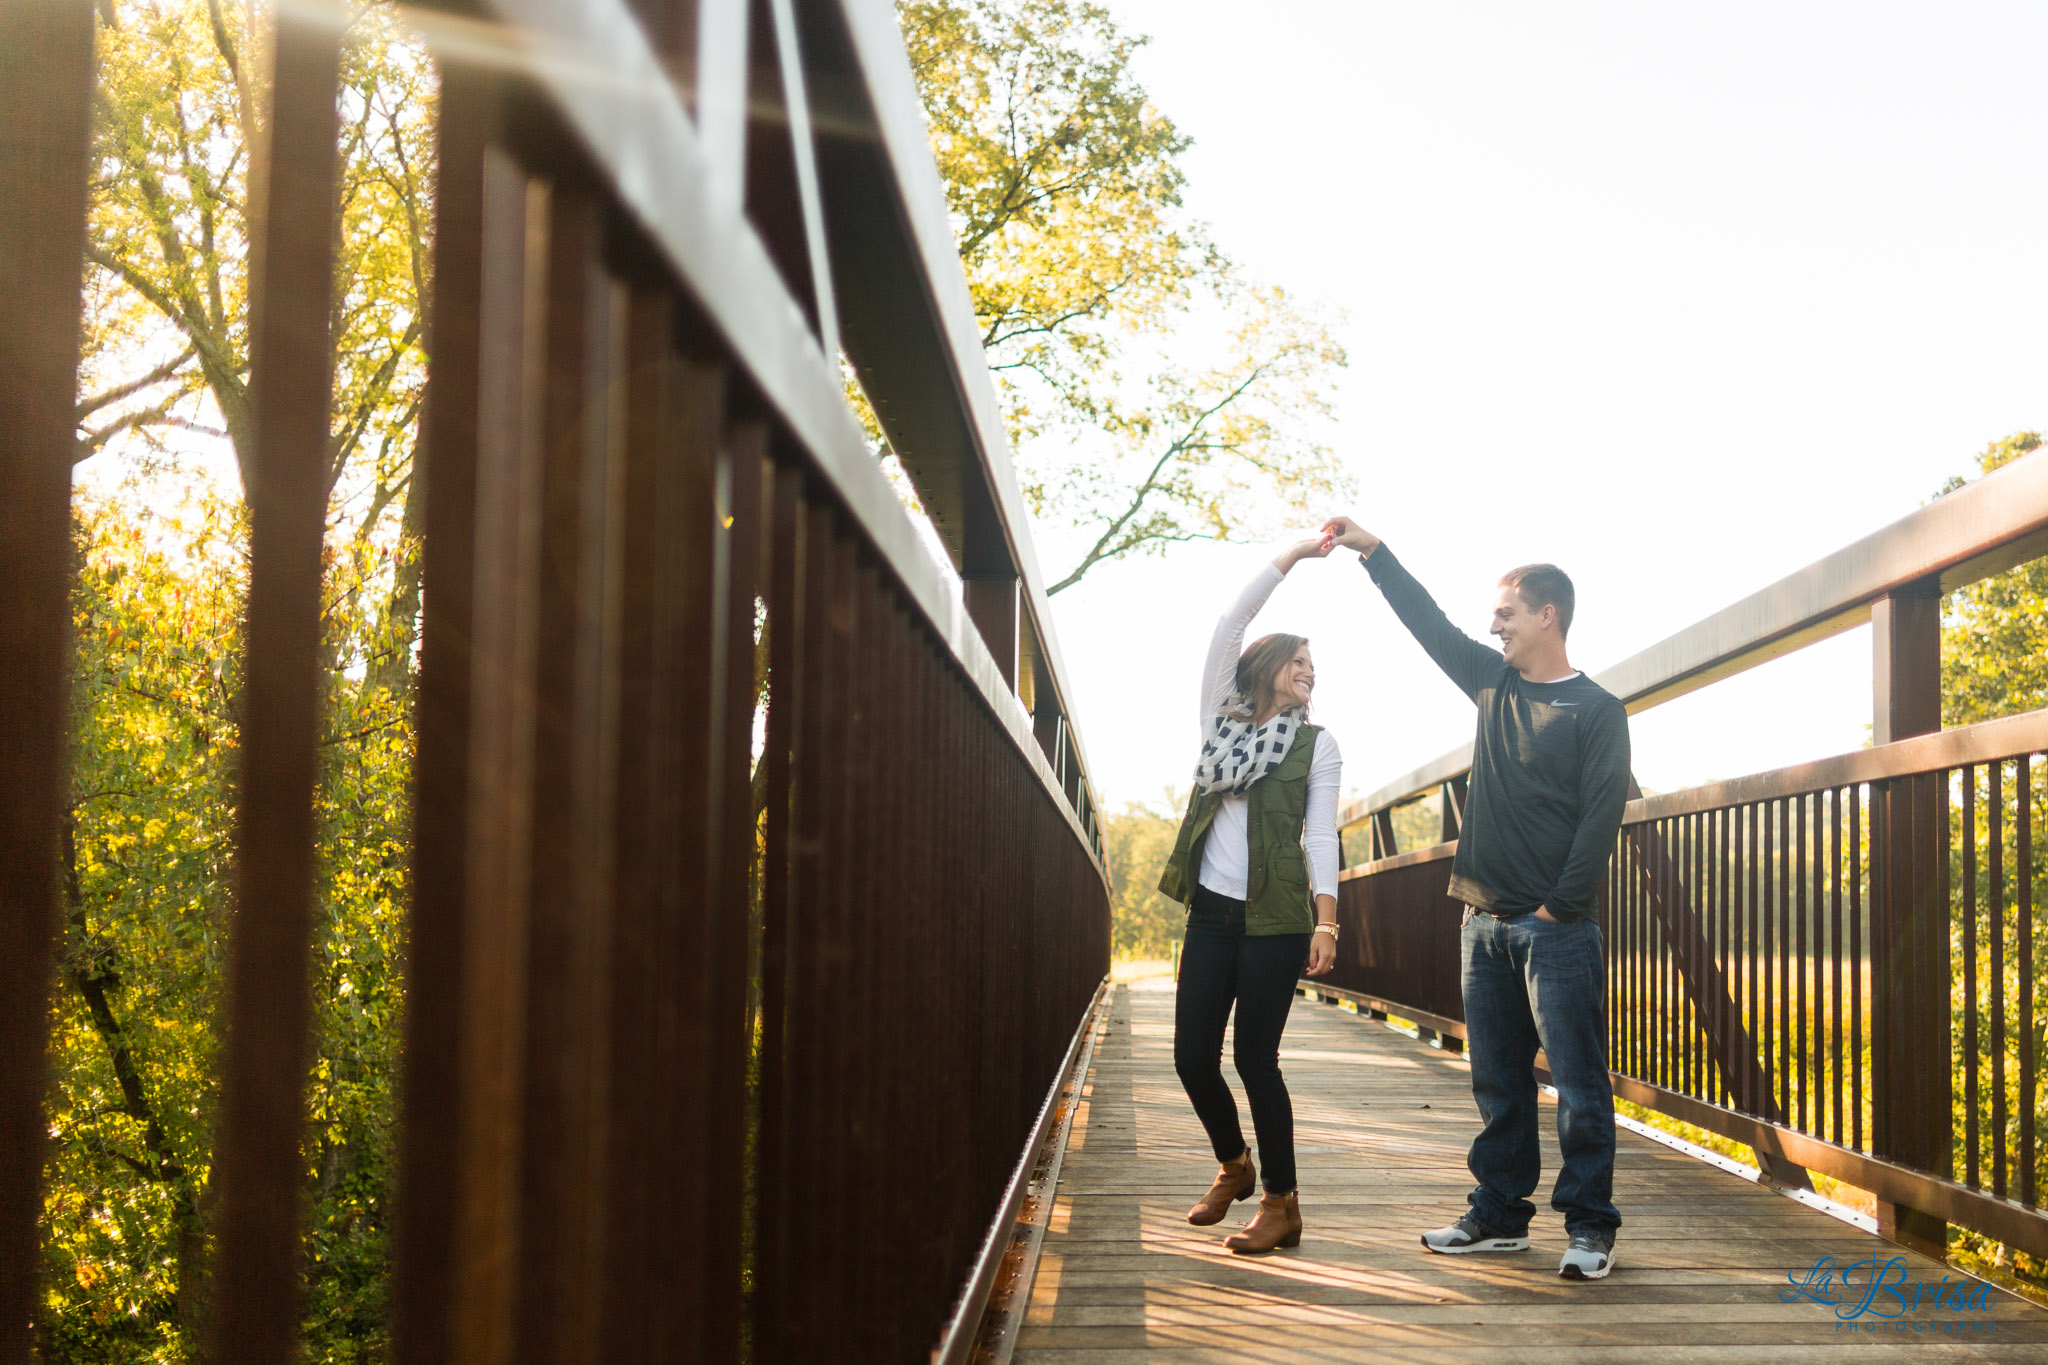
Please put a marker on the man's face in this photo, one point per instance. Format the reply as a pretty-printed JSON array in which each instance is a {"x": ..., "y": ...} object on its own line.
[{"x": 1517, "y": 627}]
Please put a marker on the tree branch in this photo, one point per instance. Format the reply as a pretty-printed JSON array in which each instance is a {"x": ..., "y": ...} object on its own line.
[
  {"x": 1106, "y": 546},
  {"x": 91, "y": 442},
  {"x": 134, "y": 386},
  {"x": 92, "y": 985},
  {"x": 374, "y": 393}
]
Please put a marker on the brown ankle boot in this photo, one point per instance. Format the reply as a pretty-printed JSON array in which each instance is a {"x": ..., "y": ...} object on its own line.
[
  {"x": 1277, "y": 1224},
  {"x": 1235, "y": 1180}
]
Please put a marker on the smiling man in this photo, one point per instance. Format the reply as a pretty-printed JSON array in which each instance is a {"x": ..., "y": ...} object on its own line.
[{"x": 1550, "y": 775}]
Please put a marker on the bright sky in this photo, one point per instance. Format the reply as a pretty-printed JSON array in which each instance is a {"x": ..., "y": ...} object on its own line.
[{"x": 1679, "y": 297}]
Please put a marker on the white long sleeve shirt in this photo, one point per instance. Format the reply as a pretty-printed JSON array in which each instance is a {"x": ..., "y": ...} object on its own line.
[{"x": 1226, "y": 854}]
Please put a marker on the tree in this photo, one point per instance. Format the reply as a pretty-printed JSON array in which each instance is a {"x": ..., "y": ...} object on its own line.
[
  {"x": 1994, "y": 662},
  {"x": 1136, "y": 842},
  {"x": 1064, "y": 185},
  {"x": 1994, "y": 635},
  {"x": 177, "y": 109},
  {"x": 147, "y": 843},
  {"x": 158, "y": 607}
]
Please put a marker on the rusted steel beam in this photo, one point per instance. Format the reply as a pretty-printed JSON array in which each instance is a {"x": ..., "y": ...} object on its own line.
[
  {"x": 46, "y": 82},
  {"x": 259, "y": 1170}
]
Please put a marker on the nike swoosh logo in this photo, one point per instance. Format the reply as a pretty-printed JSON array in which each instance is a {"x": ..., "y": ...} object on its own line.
[{"x": 1564, "y": 703}]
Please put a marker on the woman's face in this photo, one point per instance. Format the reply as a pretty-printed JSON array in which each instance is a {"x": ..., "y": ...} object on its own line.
[{"x": 1295, "y": 680}]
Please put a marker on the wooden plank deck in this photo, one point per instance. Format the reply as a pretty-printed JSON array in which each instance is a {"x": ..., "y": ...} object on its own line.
[{"x": 1382, "y": 1126}]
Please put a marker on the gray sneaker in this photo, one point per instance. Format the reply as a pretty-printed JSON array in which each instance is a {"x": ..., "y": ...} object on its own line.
[
  {"x": 1590, "y": 1257},
  {"x": 1468, "y": 1234}
]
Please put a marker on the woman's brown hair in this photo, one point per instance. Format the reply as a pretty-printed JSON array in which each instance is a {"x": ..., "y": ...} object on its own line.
[{"x": 1262, "y": 659}]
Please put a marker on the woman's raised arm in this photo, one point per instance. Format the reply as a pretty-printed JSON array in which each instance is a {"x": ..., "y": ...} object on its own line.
[{"x": 1219, "y": 670}]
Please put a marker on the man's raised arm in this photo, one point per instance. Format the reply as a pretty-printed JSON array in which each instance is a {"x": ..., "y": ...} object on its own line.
[{"x": 1467, "y": 662}]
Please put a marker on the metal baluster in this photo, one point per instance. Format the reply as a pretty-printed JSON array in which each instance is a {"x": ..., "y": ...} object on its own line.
[
  {"x": 1711, "y": 909},
  {"x": 1840, "y": 1082},
  {"x": 46, "y": 100},
  {"x": 1994, "y": 827},
  {"x": 1802, "y": 870},
  {"x": 2025, "y": 926},
  {"x": 1781, "y": 937},
  {"x": 1857, "y": 865},
  {"x": 260, "y": 1168},
  {"x": 1687, "y": 1004},
  {"x": 1972, "y": 1175},
  {"x": 1753, "y": 1101}
]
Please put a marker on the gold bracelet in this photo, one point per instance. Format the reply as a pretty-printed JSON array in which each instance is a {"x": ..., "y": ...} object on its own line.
[{"x": 1330, "y": 929}]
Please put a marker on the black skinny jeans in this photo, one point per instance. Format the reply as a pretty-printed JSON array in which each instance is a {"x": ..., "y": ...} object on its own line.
[{"x": 1219, "y": 964}]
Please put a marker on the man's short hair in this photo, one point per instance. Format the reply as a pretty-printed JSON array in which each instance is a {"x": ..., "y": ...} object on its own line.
[{"x": 1544, "y": 585}]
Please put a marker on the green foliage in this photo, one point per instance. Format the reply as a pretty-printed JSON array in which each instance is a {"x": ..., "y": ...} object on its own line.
[
  {"x": 1064, "y": 184},
  {"x": 1136, "y": 842},
  {"x": 1994, "y": 662},
  {"x": 1989, "y": 887},
  {"x": 166, "y": 340},
  {"x": 145, "y": 880},
  {"x": 159, "y": 604},
  {"x": 1994, "y": 637},
  {"x": 148, "y": 885},
  {"x": 1064, "y": 187}
]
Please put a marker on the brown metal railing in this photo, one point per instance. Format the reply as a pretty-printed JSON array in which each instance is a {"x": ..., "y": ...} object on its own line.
[
  {"x": 1831, "y": 950},
  {"x": 658, "y": 1049},
  {"x": 1833, "y": 963}
]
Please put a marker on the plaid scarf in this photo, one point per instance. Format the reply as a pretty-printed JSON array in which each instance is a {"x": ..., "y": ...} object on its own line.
[{"x": 1238, "y": 753}]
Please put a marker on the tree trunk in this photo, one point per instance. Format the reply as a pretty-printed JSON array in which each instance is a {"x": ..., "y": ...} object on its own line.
[{"x": 392, "y": 670}]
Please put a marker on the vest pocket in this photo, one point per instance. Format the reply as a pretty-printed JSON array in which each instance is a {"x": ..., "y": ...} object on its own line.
[{"x": 1287, "y": 861}]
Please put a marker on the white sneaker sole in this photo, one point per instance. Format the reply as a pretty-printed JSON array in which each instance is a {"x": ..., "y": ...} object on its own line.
[
  {"x": 1490, "y": 1244},
  {"x": 1573, "y": 1272}
]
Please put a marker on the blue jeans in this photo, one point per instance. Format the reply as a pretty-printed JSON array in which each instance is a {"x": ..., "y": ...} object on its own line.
[{"x": 1530, "y": 984}]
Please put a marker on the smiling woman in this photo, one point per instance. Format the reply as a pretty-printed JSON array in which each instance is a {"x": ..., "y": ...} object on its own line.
[{"x": 1256, "y": 864}]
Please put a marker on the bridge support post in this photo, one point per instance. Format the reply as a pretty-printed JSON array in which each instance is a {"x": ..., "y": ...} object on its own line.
[
  {"x": 1384, "y": 844},
  {"x": 1035, "y": 690},
  {"x": 1910, "y": 1086},
  {"x": 1452, "y": 794},
  {"x": 992, "y": 605}
]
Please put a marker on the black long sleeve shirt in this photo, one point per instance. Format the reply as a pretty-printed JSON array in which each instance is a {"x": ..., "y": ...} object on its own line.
[{"x": 1550, "y": 768}]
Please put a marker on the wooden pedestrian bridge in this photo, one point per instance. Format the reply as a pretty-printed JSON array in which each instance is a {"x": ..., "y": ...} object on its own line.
[{"x": 849, "y": 1083}]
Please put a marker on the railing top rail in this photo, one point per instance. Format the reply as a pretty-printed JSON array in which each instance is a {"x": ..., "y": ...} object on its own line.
[
  {"x": 1941, "y": 751},
  {"x": 1980, "y": 529},
  {"x": 593, "y": 60},
  {"x": 908, "y": 255}
]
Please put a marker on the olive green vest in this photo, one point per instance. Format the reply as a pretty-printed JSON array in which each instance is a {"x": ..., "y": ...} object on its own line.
[{"x": 1277, "y": 895}]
